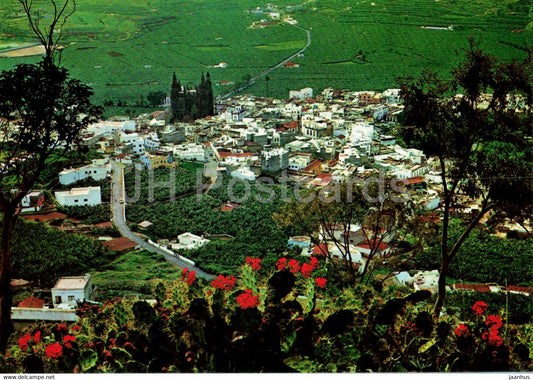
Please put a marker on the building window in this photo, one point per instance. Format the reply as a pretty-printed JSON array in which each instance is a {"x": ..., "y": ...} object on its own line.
[
  {"x": 85, "y": 200},
  {"x": 71, "y": 298},
  {"x": 75, "y": 201}
]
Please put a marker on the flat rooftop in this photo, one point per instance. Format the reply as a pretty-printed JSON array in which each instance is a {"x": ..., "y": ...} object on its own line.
[{"x": 74, "y": 282}]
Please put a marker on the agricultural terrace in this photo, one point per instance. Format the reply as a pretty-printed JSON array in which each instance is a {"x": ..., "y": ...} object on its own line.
[{"x": 125, "y": 50}]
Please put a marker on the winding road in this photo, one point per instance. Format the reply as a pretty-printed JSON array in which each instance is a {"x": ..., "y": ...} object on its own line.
[
  {"x": 251, "y": 82},
  {"x": 119, "y": 219}
]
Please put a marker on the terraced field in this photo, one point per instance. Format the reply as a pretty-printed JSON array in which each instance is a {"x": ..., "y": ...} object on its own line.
[{"x": 126, "y": 49}]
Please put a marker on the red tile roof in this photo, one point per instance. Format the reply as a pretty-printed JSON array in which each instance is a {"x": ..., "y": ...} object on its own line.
[
  {"x": 320, "y": 250},
  {"x": 18, "y": 282},
  {"x": 120, "y": 244},
  {"x": 292, "y": 125},
  {"x": 32, "y": 302},
  {"x": 412, "y": 181},
  {"x": 229, "y": 154},
  {"x": 104, "y": 225},
  {"x": 45, "y": 217},
  {"x": 227, "y": 208},
  {"x": 520, "y": 289},
  {"x": 313, "y": 165},
  {"x": 475, "y": 287},
  {"x": 381, "y": 247}
]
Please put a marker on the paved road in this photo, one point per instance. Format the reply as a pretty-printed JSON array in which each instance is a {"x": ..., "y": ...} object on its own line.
[
  {"x": 119, "y": 219},
  {"x": 251, "y": 82}
]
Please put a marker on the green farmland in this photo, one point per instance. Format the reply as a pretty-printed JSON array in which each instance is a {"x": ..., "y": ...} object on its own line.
[{"x": 126, "y": 49}]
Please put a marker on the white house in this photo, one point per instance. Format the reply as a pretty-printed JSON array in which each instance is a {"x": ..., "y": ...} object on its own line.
[
  {"x": 68, "y": 290},
  {"x": 244, "y": 173},
  {"x": 189, "y": 241},
  {"x": 97, "y": 172},
  {"x": 152, "y": 142},
  {"x": 32, "y": 202},
  {"x": 81, "y": 196},
  {"x": 299, "y": 162},
  {"x": 191, "y": 152},
  {"x": 304, "y": 93},
  {"x": 299, "y": 241},
  {"x": 134, "y": 140}
]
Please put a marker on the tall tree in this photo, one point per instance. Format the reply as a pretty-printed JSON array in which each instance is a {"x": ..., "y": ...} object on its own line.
[
  {"x": 42, "y": 110},
  {"x": 478, "y": 126},
  {"x": 344, "y": 216}
]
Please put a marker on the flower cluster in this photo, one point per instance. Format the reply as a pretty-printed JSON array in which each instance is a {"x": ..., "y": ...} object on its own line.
[
  {"x": 294, "y": 266},
  {"x": 247, "y": 299},
  {"x": 480, "y": 307},
  {"x": 223, "y": 282},
  {"x": 321, "y": 282},
  {"x": 462, "y": 331},
  {"x": 54, "y": 350},
  {"x": 281, "y": 263},
  {"x": 188, "y": 276},
  {"x": 67, "y": 339},
  {"x": 254, "y": 263},
  {"x": 493, "y": 323},
  {"x": 23, "y": 342}
]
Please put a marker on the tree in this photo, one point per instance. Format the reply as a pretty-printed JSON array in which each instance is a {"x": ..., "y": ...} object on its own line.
[
  {"x": 345, "y": 215},
  {"x": 42, "y": 110},
  {"x": 479, "y": 138},
  {"x": 267, "y": 79}
]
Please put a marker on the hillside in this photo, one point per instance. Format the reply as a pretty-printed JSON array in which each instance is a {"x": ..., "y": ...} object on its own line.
[{"x": 125, "y": 50}]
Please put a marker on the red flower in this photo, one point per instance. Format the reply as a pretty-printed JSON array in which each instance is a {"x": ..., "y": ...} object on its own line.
[
  {"x": 462, "y": 331},
  {"x": 37, "y": 337},
  {"x": 223, "y": 282},
  {"x": 493, "y": 338},
  {"x": 480, "y": 307},
  {"x": 254, "y": 263},
  {"x": 62, "y": 328},
  {"x": 295, "y": 266},
  {"x": 23, "y": 342},
  {"x": 189, "y": 277},
  {"x": 281, "y": 263},
  {"x": 321, "y": 282},
  {"x": 314, "y": 262},
  {"x": 306, "y": 270},
  {"x": 54, "y": 351},
  {"x": 494, "y": 322},
  {"x": 247, "y": 299},
  {"x": 76, "y": 328},
  {"x": 67, "y": 339}
]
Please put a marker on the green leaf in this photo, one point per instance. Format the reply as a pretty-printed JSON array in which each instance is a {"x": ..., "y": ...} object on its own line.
[
  {"x": 88, "y": 359},
  {"x": 426, "y": 346}
]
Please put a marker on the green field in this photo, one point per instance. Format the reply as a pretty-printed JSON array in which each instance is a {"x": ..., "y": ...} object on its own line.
[{"x": 126, "y": 49}]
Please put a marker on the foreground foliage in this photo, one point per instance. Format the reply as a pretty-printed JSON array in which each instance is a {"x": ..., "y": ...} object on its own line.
[
  {"x": 293, "y": 319},
  {"x": 44, "y": 254}
]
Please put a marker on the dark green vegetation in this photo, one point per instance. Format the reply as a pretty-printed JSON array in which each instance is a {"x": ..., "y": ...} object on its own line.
[
  {"x": 485, "y": 258},
  {"x": 185, "y": 183},
  {"x": 253, "y": 230},
  {"x": 272, "y": 321},
  {"x": 44, "y": 254},
  {"x": 133, "y": 273},
  {"x": 127, "y": 50},
  {"x": 88, "y": 214}
]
